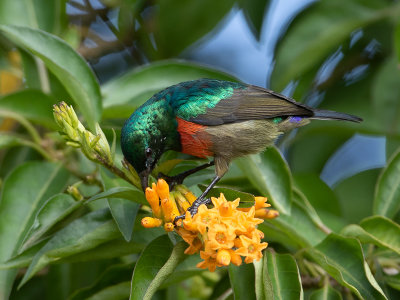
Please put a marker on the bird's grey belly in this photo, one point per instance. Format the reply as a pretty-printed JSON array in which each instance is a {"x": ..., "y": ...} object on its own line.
[{"x": 242, "y": 138}]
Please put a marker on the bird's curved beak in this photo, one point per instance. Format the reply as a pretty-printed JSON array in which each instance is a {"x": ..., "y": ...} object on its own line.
[{"x": 144, "y": 178}]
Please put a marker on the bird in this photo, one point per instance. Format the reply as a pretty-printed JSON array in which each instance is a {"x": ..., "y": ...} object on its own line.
[{"x": 211, "y": 118}]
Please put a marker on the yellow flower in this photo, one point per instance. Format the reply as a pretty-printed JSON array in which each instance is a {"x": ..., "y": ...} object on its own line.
[
  {"x": 223, "y": 234},
  {"x": 251, "y": 248},
  {"x": 220, "y": 236},
  {"x": 210, "y": 260}
]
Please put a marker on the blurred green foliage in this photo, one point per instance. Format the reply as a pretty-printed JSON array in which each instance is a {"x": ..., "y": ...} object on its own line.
[{"x": 330, "y": 242}]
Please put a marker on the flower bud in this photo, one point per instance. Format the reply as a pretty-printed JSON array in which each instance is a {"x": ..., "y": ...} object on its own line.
[
  {"x": 223, "y": 257},
  {"x": 149, "y": 222},
  {"x": 168, "y": 227}
]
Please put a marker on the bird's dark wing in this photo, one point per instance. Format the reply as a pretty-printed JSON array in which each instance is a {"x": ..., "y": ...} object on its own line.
[{"x": 251, "y": 103}]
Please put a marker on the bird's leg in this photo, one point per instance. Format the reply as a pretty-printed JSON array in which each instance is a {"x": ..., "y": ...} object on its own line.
[
  {"x": 178, "y": 179},
  {"x": 199, "y": 201}
]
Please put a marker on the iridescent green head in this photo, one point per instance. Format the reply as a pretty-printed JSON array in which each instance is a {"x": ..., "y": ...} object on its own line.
[{"x": 147, "y": 134}]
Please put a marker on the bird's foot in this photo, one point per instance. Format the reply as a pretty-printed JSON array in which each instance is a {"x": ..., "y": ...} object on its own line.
[{"x": 193, "y": 209}]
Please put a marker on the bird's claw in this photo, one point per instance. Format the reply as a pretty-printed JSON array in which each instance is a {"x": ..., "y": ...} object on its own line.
[{"x": 193, "y": 209}]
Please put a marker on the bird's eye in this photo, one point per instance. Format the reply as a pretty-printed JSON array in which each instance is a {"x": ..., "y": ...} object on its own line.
[{"x": 148, "y": 152}]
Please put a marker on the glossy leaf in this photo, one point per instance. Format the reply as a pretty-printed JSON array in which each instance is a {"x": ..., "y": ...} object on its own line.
[
  {"x": 284, "y": 276},
  {"x": 343, "y": 259},
  {"x": 377, "y": 230},
  {"x": 387, "y": 192},
  {"x": 242, "y": 281},
  {"x": 397, "y": 41},
  {"x": 123, "y": 192},
  {"x": 82, "y": 234},
  {"x": 386, "y": 92},
  {"x": 9, "y": 140},
  {"x": 299, "y": 226},
  {"x": 124, "y": 94},
  {"x": 264, "y": 289},
  {"x": 270, "y": 175},
  {"x": 246, "y": 199},
  {"x": 171, "y": 39},
  {"x": 32, "y": 105},
  {"x": 23, "y": 193},
  {"x": 153, "y": 259},
  {"x": 319, "y": 30},
  {"x": 108, "y": 280},
  {"x": 254, "y": 12},
  {"x": 119, "y": 291},
  {"x": 326, "y": 293},
  {"x": 43, "y": 14},
  {"x": 52, "y": 211},
  {"x": 72, "y": 71},
  {"x": 123, "y": 210}
]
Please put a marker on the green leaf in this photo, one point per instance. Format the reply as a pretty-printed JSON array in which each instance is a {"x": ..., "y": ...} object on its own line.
[
  {"x": 343, "y": 259},
  {"x": 10, "y": 140},
  {"x": 284, "y": 276},
  {"x": 124, "y": 94},
  {"x": 254, "y": 12},
  {"x": 123, "y": 192},
  {"x": 326, "y": 293},
  {"x": 393, "y": 281},
  {"x": 199, "y": 17},
  {"x": 242, "y": 280},
  {"x": 23, "y": 193},
  {"x": 319, "y": 30},
  {"x": 184, "y": 270},
  {"x": 377, "y": 230},
  {"x": 72, "y": 71},
  {"x": 123, "y": 211},
  {"x": 47, "y": 15},
  {"x": 110, "y": 278},
  {"x": 165, "y": 167},
  {"x": 33, "y": 105},
  {"x": 120, "y": 291},
  {"x": 246, "y": 199},
  {"x": 52, "y": 211},
  {"x": 397, "y": 41},
  {"x": 387, "y": 191},
  {"x": 81, "y": 235},
  {"x": 264, "y": 289},
  {"x": 270, "y": 175},
  {"x": 23, "y": 259},
  {"x": 157, "y": 262},
  {"x": 386, "y": 93},
  {"x": 298, "y": 226}
]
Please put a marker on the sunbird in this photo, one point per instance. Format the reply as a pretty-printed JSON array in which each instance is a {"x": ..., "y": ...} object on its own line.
[{"x": 211, "y": 118}]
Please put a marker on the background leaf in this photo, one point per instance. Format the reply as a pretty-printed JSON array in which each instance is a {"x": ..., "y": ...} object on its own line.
[
  {"x": 318, "y": 31},
  {"x": 40, "y": 106},
  {"x": 270, "y": 175},
  {"x": 153, "y": 258},
  {"x": 171, "y": 40},
  {"x": 343, "y": 259},
  {"x": 387, "y": 192},
  {"x": 24, "y": 191},
  {"x": 66, "y": 64},
  {"x": 82, "y": 234},
  {"x": 242, "y": 281},
  {"x": 284, "y": 275},
  {"x": 377, "y": 230}
]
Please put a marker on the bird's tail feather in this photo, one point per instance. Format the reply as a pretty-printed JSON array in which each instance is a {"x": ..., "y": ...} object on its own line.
[{"x": 321, "y": 114}]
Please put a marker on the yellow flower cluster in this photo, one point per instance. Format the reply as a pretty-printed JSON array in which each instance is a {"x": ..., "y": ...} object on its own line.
[
  {"x": 223, "y": 234},
  {"x": 166, "y": 205}
]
